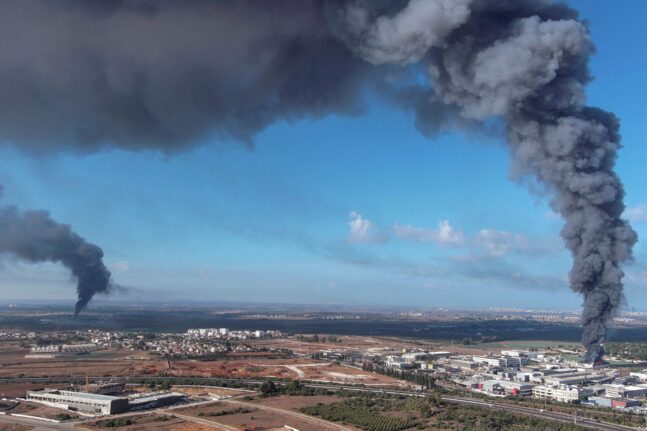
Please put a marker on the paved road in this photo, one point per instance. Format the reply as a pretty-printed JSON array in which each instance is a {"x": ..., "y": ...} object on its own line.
[
  {"x": 38, "y": 425},
  {"x": 311, "y": 419}
]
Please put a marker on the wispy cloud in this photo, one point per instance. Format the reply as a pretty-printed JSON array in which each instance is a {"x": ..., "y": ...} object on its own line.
[
  {"x": 363, "y": 231},
  {"x": 637, "y": 214},
  {"x": 444, "y": 235},
  {"x": 121, "y": 266},
  {"x": 500, "y": 242}
]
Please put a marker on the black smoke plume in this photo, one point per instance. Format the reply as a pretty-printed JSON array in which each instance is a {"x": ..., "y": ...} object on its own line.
[
  {"x": 34, "y": 237},
  {"x": 167, "y": 74}
]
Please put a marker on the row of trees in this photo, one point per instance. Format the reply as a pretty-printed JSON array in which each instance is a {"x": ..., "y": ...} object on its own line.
[
  {"x": 317, "y": 339},
  {"x": 423, "y": 379}
]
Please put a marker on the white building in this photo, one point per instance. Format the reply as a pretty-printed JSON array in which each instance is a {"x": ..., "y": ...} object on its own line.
[
  {"x": 641, "y": 375},
  {"x": 503, "y": 387},
  {"x": 622, "y": 391},
  {"x": 493, "y": 362},
  {"x": 564, "y": 394},
  {"x": 81, "y": 401}
]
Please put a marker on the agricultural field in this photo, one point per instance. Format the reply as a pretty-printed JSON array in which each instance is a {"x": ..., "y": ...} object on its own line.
[{"x": 394, "y": 414}]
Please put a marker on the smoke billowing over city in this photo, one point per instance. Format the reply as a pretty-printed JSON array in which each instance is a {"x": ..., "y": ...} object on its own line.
[{"x": 82, "y": 76}]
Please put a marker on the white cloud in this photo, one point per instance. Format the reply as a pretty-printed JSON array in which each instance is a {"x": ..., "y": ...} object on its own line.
[
  {"x": 121, "y": 266},
  {"x": 363, "y": 231},
  {"x": 500, "y": 242},
  {"x": 637, "y": 214},
  {"x": 445, "y": 234}
]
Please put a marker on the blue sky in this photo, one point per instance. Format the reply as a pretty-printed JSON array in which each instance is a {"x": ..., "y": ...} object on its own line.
[{"x": 337, "y": 210}]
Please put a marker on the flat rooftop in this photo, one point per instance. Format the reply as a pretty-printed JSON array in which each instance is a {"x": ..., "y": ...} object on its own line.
[{"x": 86, "y": 395}]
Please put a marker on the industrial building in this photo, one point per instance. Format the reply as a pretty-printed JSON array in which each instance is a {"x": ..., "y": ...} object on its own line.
[
  {"x": 503, "y": 361},
  {"x": 640, "y": 375},
  {"x": 80, "y": 401},
  {"x": 621, "y": 391},
  {"x": 463, "y": 364},
  {"x": 503, "y": 387},
  {"x": 564, "y": 394},
  {"x": 154, "y": 400},
  {"x": 614, "y": 402},
  {"x": 103, "y": 388},
  {"x": 94, "y": 403}
]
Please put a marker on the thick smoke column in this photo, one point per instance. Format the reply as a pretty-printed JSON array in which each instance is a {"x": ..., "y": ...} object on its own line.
[
  {"x": 166, "y": 74},
  {"x": 525, "y": 61},
  {"x": 34, "y": 237}
]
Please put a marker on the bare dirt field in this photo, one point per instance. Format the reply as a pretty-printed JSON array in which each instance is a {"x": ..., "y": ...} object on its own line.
[
  {"x": 10, "y": 351},
  {"x": 342, "y": 374},
  {"x": 208, "y": 391},
  {"x": 13, "y": 390},
  {"x": 78, "y": 367},
  {"x": 302, "y": 369},
  {"x": 151, "y": 422},
  {"x": 257, "y": 418},
  {"x": 39, "y": 410},
  {"x": 13, "y": 427},
  {"x": 295, "y": 402},
  {"x": 345, "y": 344}
]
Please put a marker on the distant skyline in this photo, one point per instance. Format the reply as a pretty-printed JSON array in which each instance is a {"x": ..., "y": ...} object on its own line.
[{"x": 359, "y": 210}]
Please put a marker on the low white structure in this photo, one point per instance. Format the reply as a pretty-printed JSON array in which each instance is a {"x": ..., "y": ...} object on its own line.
[
  {"x": 622, "y": 391},
  {"x": 564, "y": 394},
  {"x": 79, "y": 401},
  {"x": 641, "y": 375}
]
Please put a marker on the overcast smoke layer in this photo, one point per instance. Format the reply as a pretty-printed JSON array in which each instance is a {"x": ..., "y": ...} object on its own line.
[
  {"x": 167, "y": 74},
  {"x": 34, "y": 237}
]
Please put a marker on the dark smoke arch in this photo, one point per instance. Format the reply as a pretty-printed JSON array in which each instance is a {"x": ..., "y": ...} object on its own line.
[{"x": 166, "y": 74}]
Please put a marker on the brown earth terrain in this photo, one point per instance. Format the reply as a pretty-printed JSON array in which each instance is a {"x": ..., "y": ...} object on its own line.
[
  {"x": 261, "y": 417},
  {"x": 39, "y": 410},
  {"x": 150, "y": 422}
]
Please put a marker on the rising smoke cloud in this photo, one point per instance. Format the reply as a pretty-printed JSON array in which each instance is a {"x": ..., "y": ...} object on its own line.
[
  {"x": 34, "y": 236},
  {"x": 164, "y": 75}
]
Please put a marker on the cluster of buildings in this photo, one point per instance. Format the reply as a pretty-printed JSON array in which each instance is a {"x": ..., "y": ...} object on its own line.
[
  {"x": 205, "y": 342},
  {"x": 226, "y": 334},
  {"x": 195, "y": 342},
  {"x": 189, "y": 347},
  {"x": 529, "y": 374}
]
